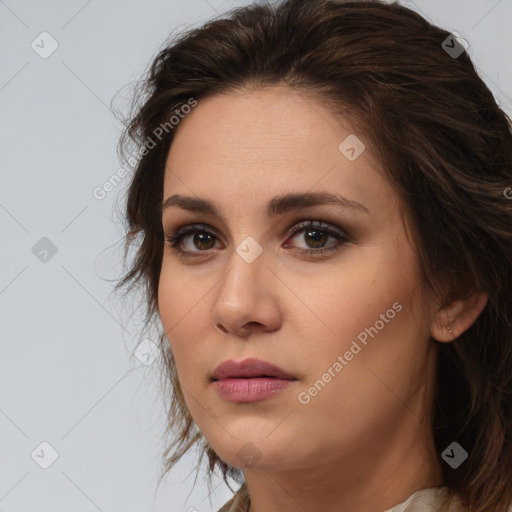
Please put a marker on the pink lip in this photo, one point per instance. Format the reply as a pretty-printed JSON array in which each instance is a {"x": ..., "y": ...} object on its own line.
[
  {"x": 247, "y": 368},
  {"x": 249, "y": 380},
  {"x": 250, "y": 390}
]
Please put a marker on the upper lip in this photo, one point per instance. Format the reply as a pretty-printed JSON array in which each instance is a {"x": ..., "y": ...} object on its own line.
[{"x": 247, "y": 368}]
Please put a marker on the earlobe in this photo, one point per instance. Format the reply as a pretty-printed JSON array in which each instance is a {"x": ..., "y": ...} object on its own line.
[{"x": 451, "y": 321}]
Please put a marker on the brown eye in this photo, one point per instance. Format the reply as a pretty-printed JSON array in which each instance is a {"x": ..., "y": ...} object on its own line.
[
  {"x": 316, "y": 236},
  {"x": 202, "y": 239}
]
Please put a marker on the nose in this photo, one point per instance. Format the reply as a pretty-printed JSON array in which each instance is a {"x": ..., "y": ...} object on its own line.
[{"x": 246, "y": 299}]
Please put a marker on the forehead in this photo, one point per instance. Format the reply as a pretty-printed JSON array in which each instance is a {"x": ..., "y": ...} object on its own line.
[{"x": 253, "y": 145}]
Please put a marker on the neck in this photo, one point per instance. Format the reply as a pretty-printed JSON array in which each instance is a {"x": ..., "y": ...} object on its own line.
[{"x": 377, "y": 475}]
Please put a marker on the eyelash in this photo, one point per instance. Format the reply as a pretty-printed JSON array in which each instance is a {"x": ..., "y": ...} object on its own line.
[{"x": 174, "y": 238}]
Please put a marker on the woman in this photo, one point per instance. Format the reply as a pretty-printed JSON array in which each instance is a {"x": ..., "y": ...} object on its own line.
[{"x": 326, "y": 246}]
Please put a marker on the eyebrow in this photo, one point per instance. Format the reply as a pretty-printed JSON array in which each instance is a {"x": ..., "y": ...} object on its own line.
[{"x": 276, "y": 206}]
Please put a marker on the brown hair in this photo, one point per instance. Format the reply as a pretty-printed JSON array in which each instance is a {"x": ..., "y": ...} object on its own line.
[{"x": 445, "y": 146}]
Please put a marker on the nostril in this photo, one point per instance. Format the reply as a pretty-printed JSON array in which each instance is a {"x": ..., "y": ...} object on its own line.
[{"x": 222, "y": 328}]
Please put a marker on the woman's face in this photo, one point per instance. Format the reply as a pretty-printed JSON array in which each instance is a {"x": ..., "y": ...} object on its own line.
[{"x": 350, "y": 324}]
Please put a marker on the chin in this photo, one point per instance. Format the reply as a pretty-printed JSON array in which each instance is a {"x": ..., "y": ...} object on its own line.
[{"x": 258, "y": 451}]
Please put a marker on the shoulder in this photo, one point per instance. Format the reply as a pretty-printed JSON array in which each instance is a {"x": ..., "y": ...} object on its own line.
[
  {"x": 432, "y": 499},
  {"x": 239, "y": 502}
]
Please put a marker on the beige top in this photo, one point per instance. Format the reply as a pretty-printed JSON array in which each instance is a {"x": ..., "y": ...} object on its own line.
[{"x": 433, "y": 499}]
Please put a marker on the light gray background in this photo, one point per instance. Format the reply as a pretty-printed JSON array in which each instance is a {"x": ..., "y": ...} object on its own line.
[{"x": 67, "y": 374}]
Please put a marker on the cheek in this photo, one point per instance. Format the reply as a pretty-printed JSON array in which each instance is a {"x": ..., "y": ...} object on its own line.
[
  {"x": 179, "y": 295},
  {"x": 365, "y": 307},
  {"x": 352, "y": 294},
  {"x": 179, "y": 302},
  {"x": 382, "y": 367}
]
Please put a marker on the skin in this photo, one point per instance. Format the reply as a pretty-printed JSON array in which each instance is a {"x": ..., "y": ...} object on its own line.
[{"x": 363, "y": 442}]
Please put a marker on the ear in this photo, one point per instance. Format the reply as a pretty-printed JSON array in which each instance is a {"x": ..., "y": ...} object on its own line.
[{"x": 457, "y": 317}]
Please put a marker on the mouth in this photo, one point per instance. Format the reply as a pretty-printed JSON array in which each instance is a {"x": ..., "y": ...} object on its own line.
[{"x": 250, "y": 380}]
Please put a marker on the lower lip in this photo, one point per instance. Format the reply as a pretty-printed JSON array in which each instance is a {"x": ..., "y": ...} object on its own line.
[{"x": 250, "y": 390}]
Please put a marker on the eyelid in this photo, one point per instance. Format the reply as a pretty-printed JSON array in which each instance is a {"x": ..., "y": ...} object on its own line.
[
  {"x": 186, "y": 228},
  {"x": 300, "y": 225},
  {"x": 296, "y": 226}
]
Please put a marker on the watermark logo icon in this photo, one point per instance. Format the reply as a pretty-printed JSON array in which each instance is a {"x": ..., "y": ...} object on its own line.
[
  {"x": 249, "y": 249},
  {"x": 351, "y": 147},
  {"x": 454, "y": 45},
  {"x": 44, "y": 455},
  {"x": 454, "y": 455},
  {"x": 146, "y": 352},
  {"x": 44, "y": 45},
  {"x": 44, "y": 250},
  {"x": 249, "y": 455}
]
